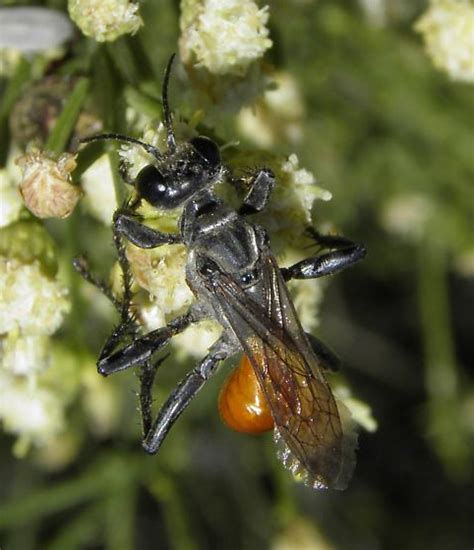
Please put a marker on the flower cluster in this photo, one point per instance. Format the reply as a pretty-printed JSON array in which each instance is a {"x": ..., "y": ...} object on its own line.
[
  {"x": 33, "y": 303},
  {"x": 105, "y": 20},
  {"x": 224, "y": 36},
  {"x": 448, "y": 31}
]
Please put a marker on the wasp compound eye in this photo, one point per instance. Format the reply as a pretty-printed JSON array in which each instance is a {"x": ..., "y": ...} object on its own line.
[
  {"x": 151, "y": 185},
  {"x": 207, "y": 149}
]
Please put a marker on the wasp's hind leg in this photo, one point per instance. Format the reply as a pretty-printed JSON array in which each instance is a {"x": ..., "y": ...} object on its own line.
[
  {"x": 184, "y": 393},
  {"x": 344, "y": 253},
  {"x": 327, "y": 359}
]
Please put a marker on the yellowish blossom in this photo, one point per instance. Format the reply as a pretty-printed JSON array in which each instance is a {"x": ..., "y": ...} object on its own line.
[
  {"x": 98, "y": 185},
  {"x": 29, "y": 410},
  {"x": 100, "y": 401},
  {"x": 196, "y": 340},
  {"x": 161, "y": 272},
  {"x": 407, "y": 215},
  {"x": 288, "y": 213},
  {"x": 360, "y": 411},
  {"x": 301, "y": 534},
  {"x": 447, "y": 28},
  {"x": 224, "y": 36},
  {"x": 10, "y": 200},
  {"x": 24, "y": 355},
  {"x": 30, "y": 301},
  {"x": 105, "y": 20},
  {"x": 276, "y": 116}
]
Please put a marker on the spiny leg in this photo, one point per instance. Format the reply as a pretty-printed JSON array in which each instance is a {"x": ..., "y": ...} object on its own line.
[
  {"x": 327, "y": 359},
  {"x": 81, "y": 265},
  {"x": 184, "y": 393},
  {"x": 140, "y": 350},
  {"x": 344, "y": 254},
  {"x": 147, "y": 376}
]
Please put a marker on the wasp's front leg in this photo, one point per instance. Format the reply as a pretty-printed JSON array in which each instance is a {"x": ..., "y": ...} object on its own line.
[
  {"x": 261, "y": 186},
  {"x": 344, "y": 254},
  {"x": 129, "y": 226}
]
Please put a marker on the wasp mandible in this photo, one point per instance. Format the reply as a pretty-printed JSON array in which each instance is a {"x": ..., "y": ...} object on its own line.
[{"x": 236, "y": 280}]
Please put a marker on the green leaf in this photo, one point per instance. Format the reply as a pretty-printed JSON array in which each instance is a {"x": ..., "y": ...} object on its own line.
[
  {"x": 10, "y": 94},
  {"x": 143, "y": 103},
  {"x": 59, "y": 137},
  {"x": 14, "y": 87}
]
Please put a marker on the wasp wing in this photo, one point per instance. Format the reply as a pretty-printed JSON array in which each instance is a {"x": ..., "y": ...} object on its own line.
[{"x": 314, "y": 433}]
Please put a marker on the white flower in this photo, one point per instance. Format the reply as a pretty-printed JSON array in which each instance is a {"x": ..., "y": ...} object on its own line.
[
  {"x": 288, "y": 213},
  {"x": 301, "y": 534},
  {"x": 161, "y": 272},
  {"x": 448, "y": 31},
  {"x": 10, "y": 200},
  {"x": 100, "y": 401},
  {"x": 307, "y": 296},
  {"x": 98, "y": 185},
  {"x": 361, "y": 412},
  {"x": 24, "y": 355},
  {"x": 46, "y": 186},
  {"x": 304, "y": 184},
  {"x": 105, "y": 20},
  {"x": 29, "y": 300},
  {"x": 196, "y": 340},
  {"x": 407, "y": 215},
  {"x": 225, "y": 36},
  {"x": 276, "y": 116},
  {"x": 29, "y": 410}
]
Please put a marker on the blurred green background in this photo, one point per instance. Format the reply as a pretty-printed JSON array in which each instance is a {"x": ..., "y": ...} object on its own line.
[{"x": 391, "y": 138}]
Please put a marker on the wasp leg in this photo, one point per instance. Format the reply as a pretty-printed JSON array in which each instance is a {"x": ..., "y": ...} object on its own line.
[
  {"x": 345, "y": 253},
  {"x": 259, "y": 193},
  {"x": 81, "y": 265},
  {"x": 146, "y": 376},
  {"x": 141, "y": 235},
  {"x": 183, "y": 394},
  {"x": 327, "y": 358},
  {"x": 140, "y": 350}
]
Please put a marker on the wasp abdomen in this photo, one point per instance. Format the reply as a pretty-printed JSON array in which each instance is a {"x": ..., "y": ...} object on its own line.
[{"x": 242, "y": 404}]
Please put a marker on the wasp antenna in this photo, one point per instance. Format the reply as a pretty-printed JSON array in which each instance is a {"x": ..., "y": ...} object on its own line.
[
  {"x": 166, "y": 108},
  {"x": 119, "y": 137}
]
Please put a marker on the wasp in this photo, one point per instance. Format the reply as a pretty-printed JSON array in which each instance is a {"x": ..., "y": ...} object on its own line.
[{"x": 236, "y": 280}]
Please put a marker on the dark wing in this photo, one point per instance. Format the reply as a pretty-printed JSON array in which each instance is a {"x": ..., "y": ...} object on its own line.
[{"x": 314, "y": 434}]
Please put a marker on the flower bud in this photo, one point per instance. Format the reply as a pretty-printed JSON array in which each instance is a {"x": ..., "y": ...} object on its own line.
[{"x": 46, "y": 187}]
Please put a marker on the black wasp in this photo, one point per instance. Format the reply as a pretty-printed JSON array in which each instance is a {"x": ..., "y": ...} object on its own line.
[{"x": 236, "y": 280}]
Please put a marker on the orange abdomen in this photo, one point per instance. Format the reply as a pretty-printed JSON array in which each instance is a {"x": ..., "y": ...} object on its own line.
[{"x": 242, "y": 405}]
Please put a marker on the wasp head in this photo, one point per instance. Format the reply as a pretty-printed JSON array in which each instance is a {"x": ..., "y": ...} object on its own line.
[{"x": 180, "y": 173}]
